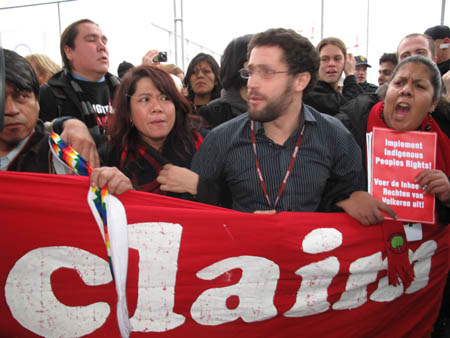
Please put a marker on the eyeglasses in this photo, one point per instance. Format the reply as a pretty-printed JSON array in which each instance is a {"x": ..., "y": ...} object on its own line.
[{"x": 265, "y": 73}]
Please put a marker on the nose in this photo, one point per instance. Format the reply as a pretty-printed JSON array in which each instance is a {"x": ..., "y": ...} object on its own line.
[
  {"x": 252, "y": 81},
  {"x": 156, "y": 106},
  {"x": 101, "y": 45},
  {"x": 406, "y": 90},
  {"x": 10, "y": 106}
]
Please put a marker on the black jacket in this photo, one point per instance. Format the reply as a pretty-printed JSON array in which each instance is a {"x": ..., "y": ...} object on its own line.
[
  {"x": 444, "y": 67},
  {"x": 35, "y": 155},
  {"x": 368, "y": 87},
  {"x": 326, "y": 100},
  {"x": 57, "y": 97},
  {"x": 228, "y": 106}
]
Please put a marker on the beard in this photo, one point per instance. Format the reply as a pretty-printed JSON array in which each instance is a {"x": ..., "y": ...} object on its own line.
[{"x": 274, "y": 107}]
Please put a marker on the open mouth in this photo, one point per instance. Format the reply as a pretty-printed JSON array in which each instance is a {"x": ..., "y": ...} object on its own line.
[{"x": 402, "y": 108}]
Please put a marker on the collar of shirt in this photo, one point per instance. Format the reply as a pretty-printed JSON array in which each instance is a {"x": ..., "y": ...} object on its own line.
[
  {"x": 78, "y": 77},
  {"x": 7, "y": 159}
]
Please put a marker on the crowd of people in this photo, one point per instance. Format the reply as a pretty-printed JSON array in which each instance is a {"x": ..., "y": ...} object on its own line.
[{"x": 272, "y": 128}]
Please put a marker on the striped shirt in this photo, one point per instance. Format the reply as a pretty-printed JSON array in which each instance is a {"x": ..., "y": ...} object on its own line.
[{"x": 327, "y": 168}]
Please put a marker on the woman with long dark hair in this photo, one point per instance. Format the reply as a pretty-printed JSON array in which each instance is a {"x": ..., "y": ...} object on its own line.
[
  {"x": 149, "y": 130},
  {"x": 202, "y": 80}
]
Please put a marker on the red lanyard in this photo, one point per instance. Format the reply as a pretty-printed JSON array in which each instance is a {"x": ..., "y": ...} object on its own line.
[{"x": 288, "y": 171}]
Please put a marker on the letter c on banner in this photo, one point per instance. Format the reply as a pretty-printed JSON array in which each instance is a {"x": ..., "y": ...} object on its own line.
[{"x": 30, "y": 297}]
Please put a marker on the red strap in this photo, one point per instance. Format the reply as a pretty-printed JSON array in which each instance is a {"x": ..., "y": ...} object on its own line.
[
  {"x": 288, "y": 171},
  {"x": 198, "y": 139}
]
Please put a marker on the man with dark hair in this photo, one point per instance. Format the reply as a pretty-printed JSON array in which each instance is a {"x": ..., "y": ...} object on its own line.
[
  {"x": 283, "y": 155},
  {"x": 233, "y": 96},
  {"x": 327, "y": 96},
  {"x": 24, "y": 144},
  {"x": 23, "y": 141},
  {"x": 441, "y": 38},
  {"x": 388, "y": 61},
  {"x": 83, "y": 89},
  {"x": 361, "y": 74}
]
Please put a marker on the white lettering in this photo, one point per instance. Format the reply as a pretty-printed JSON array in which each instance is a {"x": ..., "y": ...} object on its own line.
[
  {"x": 30, "y": 297},
  {"x": 363, "y": 271},
  {"x": 322, "y": 240},
  {"x": 158, "y": 244},
  {"x": 422, "y": 265},
  {"x": 255, "y": 290},
  {"x": 313, "y": 293}
]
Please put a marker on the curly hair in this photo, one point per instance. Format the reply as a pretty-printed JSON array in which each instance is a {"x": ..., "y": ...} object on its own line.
[
  {"x": 299, "y": 53},
  {"x": 121, "y": 131}
]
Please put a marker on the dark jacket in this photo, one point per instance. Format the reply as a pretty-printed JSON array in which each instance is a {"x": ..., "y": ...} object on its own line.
[
  {"x": 442, "y": 116},
  {"x": 368, "y": 87},
  {"x": 57, "y": 97},
  {"x": 326, "y": 100},
  {"x": 228, "y": 106},
  {"x": 444, "y": 67},
  {"x": 35, "y": 155},
  {"x": 355, "y": 114}
]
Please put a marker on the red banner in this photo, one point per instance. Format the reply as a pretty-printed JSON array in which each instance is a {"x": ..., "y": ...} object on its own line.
[{"x": 201, "y": 271}]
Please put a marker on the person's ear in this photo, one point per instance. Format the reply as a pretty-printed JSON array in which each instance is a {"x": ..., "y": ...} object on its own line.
[
  {"x": 301, "y": 81},
  {"x": 433, "y": 106},
  {"x": 69, "y": 53}
]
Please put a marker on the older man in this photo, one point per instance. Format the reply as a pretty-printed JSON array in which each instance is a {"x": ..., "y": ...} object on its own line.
[
  {"x": 83, "y": 89},
  {"x": 23, "y": 140}
]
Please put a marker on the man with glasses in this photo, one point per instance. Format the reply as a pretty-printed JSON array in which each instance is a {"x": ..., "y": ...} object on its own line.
[{"x": 283, "y": 155}]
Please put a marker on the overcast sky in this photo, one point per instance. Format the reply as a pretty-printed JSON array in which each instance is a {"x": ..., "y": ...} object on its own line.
[{"x": 135, "y": 26}]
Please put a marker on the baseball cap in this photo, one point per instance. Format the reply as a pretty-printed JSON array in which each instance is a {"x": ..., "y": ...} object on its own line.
[
  {"x": 361, "y": 61},
  {"x": 438, "y": 32}
]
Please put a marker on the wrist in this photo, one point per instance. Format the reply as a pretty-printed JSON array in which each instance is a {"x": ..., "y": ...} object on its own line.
[{"x": 58, "y": 124}]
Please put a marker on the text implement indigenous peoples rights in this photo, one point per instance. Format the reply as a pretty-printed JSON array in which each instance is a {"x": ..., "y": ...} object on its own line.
[{"x": 394, "y": 160}]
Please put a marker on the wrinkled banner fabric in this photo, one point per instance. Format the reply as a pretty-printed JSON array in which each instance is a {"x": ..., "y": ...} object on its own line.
[{"x": 202, "y": 271}]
